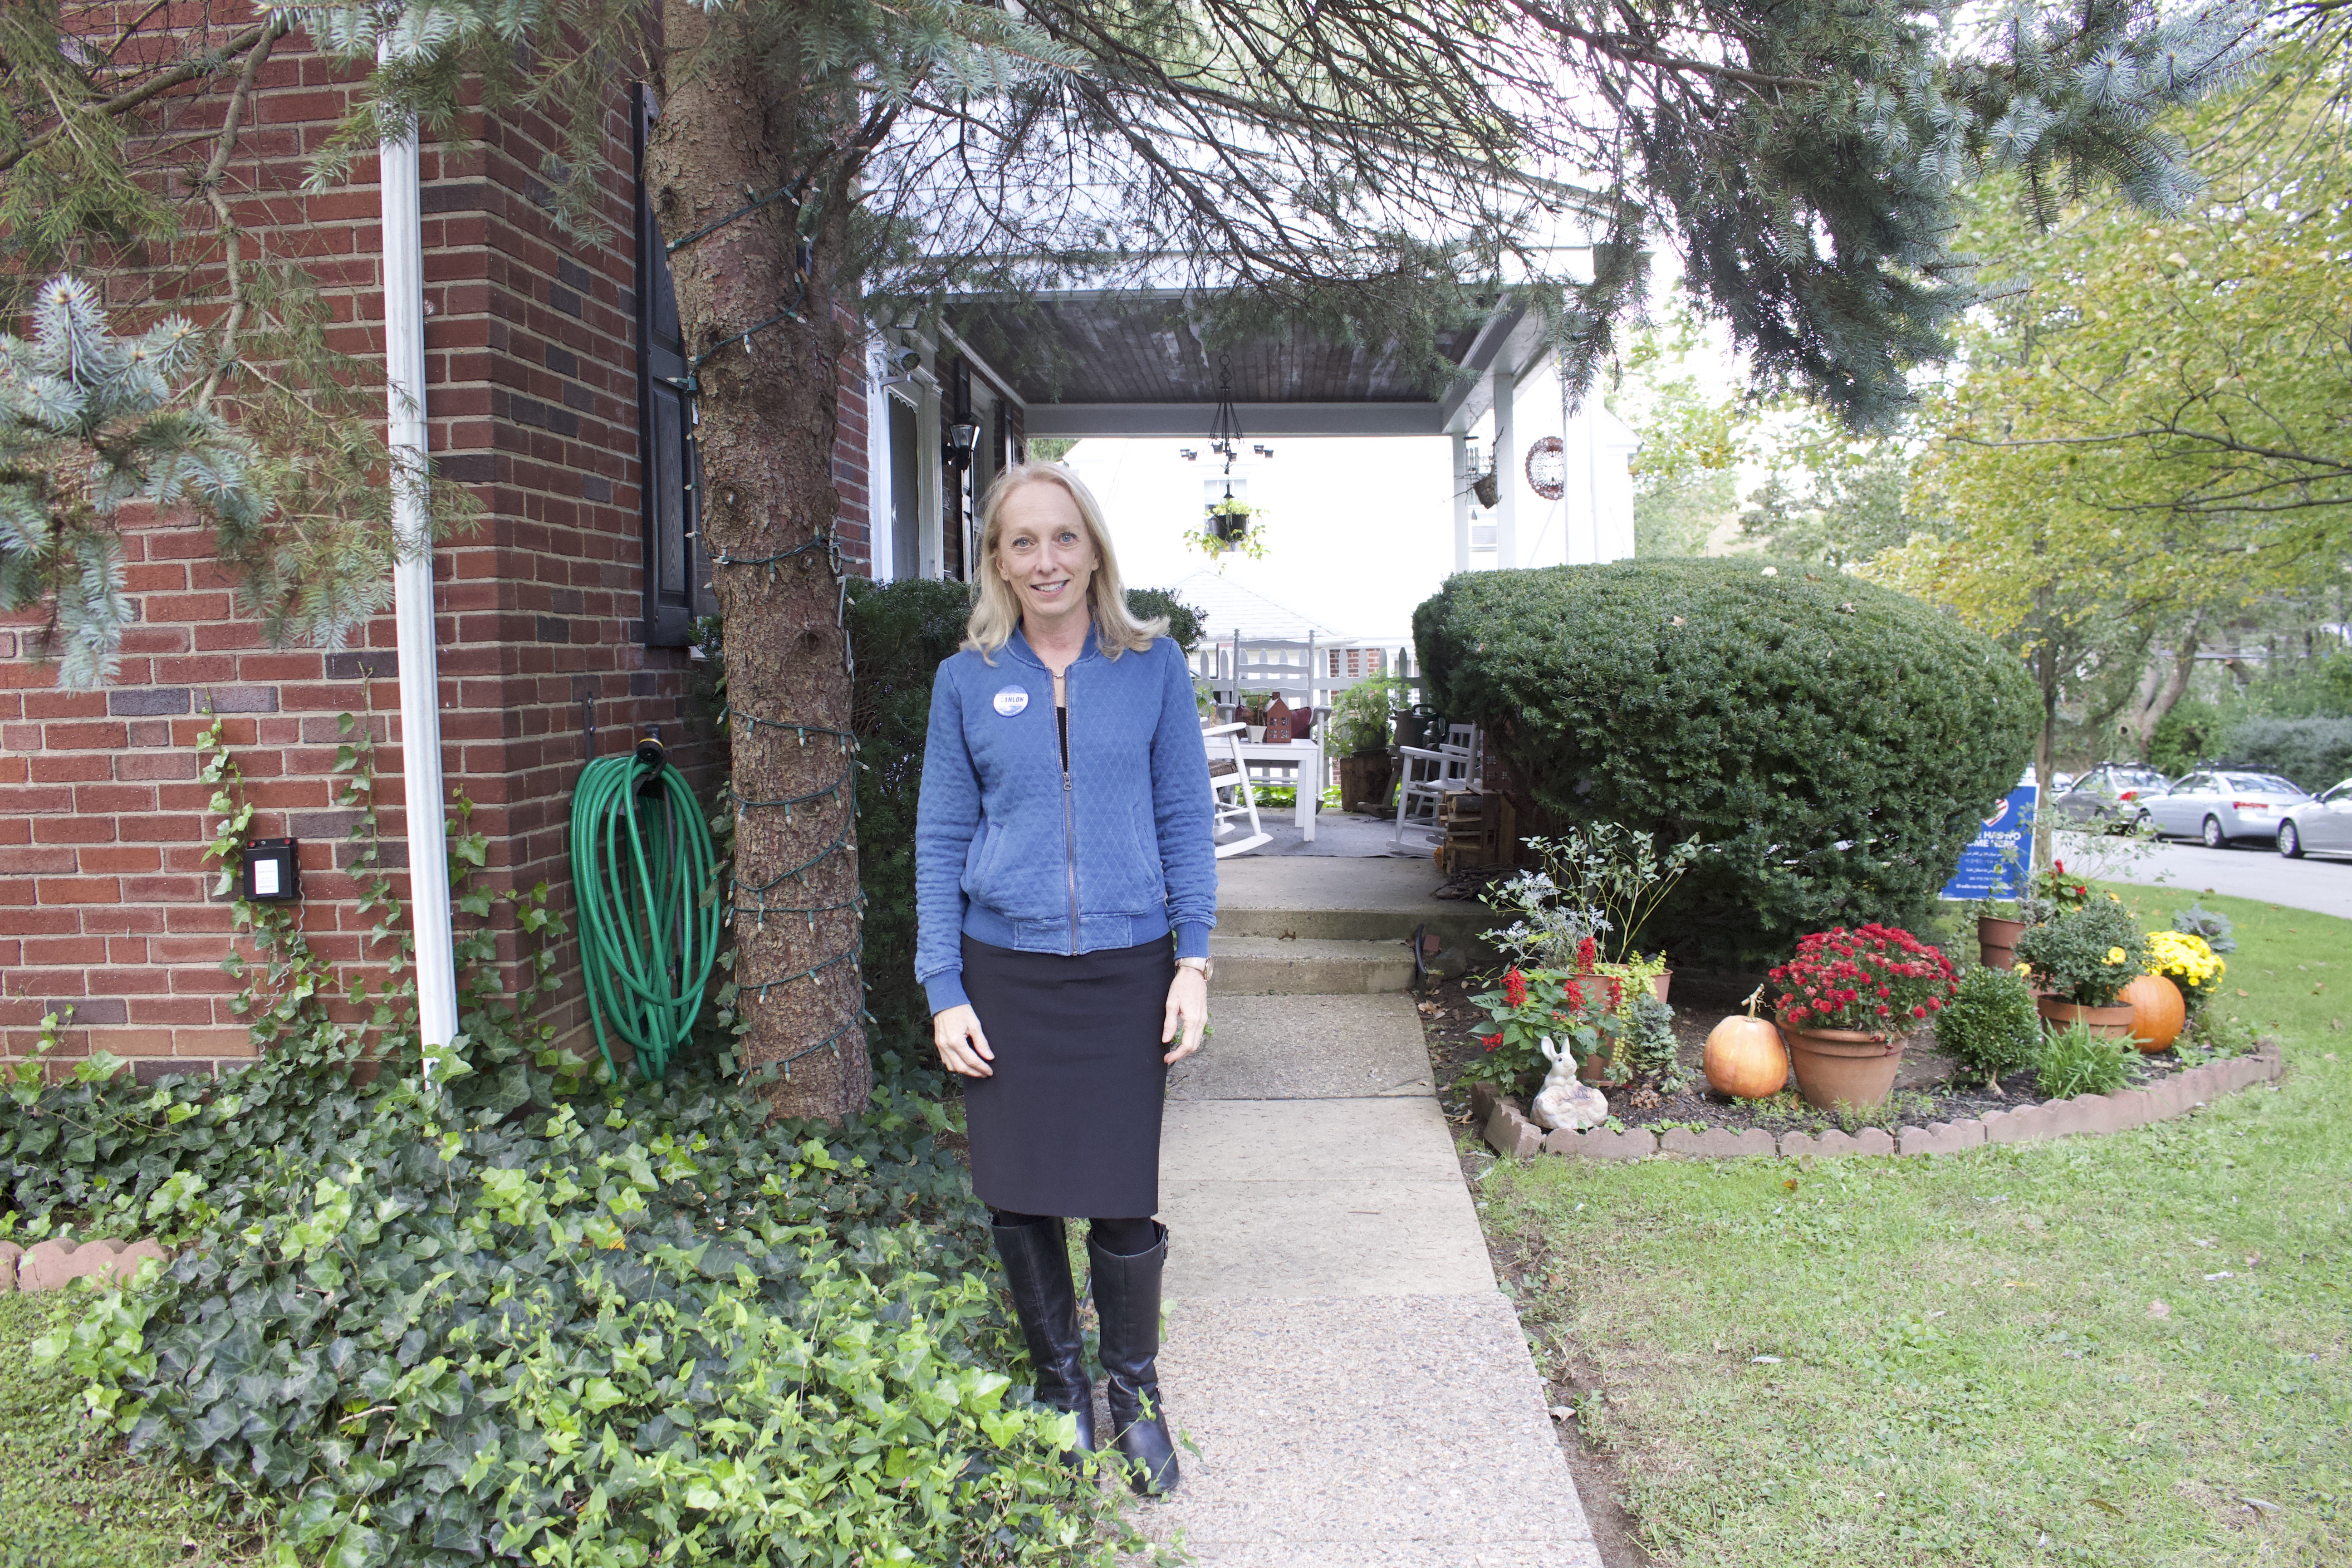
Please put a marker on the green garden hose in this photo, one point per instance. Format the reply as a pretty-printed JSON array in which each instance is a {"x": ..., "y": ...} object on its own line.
[{"x": 641, "y": 878}]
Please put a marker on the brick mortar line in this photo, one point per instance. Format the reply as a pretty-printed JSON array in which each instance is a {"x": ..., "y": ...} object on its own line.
[{"x": 1508, "y": 1131}]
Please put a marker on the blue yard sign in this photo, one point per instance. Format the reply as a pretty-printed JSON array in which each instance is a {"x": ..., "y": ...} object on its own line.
[{"x": 1999, "y": 864}]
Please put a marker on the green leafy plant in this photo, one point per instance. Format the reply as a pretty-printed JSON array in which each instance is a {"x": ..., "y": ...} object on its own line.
[
  {"x": 1230, "y": 526},
  {"x": 2215, "y": 928},
  {"x": 2072, "y": 1061},
  {"x": 1831, "y": 742},
  {"x": 465, "y": 1306},
  {"x": 1362, "y": 716},
  {"x": 2086, "y": 955},
  {"x": 1613, "y": 876},
  {"x": 1651, "y": 1049},
  {"x": 1990, "y": 1027},
  {"x": 1530, "y": 1006},
  {"x": 2057, "y": 891}
]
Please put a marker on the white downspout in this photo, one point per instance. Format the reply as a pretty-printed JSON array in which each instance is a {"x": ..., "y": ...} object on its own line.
[{"x": 411, "y": 581}]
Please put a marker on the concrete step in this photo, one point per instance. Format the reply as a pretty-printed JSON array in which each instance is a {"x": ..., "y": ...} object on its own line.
[
  {"x": 1333, "y": 899},
  {"x": 1269, "y": 966}
]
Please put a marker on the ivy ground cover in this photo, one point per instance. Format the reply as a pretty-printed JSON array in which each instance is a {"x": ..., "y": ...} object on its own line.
[
  {"x": 2130, "y": 1349},
  {"x": 483, "y": 1320}
]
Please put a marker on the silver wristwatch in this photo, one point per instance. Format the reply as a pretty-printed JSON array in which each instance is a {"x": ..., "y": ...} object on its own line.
[{"x": 1207, "y": 966}]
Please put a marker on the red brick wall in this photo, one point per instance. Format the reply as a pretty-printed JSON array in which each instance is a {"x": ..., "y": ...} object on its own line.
[{"x": 531, "y": 403}]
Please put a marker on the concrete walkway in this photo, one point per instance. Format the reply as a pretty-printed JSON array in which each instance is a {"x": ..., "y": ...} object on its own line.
[{"x": 1358, "y": 1390}]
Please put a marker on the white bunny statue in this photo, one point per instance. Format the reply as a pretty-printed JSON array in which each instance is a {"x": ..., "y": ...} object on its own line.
[{"x": 1565, "y": 1102}]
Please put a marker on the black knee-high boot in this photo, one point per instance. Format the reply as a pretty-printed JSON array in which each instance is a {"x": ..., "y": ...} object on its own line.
[
  {"x": 1037, "y": 1266},
  {"x": 1126, "y": 1296}
]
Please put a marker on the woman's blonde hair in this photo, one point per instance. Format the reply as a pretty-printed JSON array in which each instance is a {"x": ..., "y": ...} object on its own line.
[{"x": 996, "y": 611}]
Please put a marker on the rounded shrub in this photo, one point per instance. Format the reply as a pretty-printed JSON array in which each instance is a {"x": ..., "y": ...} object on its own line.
[
  {"x": 1989, "y": 1028},
  {"x": 1834, "y": 744}
]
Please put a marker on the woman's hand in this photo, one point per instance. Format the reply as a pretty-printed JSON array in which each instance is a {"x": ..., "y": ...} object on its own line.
[
  {"x": 963, "y": 1047},
  {"x": 1188, "y": 1013}
]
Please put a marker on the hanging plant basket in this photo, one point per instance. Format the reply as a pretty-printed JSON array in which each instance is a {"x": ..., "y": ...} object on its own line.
[
  {"x": 1487, "y": 488},
  {"x": 1231, "y": 526}
]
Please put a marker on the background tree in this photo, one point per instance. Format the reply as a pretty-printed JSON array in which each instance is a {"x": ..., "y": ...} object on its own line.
[
  {"x": 2147, "y": 451},
  {"x": 1685, "y": 469},
  {"x": 1376, "y": 172}
]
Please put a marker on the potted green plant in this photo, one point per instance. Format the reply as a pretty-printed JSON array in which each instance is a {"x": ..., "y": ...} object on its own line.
[
  {"x": 2084, "y": 957},
  {"x": 1612, "y": 877},
  {"x": 1532, "y": 1006},
  {"x": 1846, "y": 1000},
  {"x": 1358, "y": 733}
]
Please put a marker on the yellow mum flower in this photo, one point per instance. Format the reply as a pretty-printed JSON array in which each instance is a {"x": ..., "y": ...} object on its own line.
[{"x": 2115, "y": 956}]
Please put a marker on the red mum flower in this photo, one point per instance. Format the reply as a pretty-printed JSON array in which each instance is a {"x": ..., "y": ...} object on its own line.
[{"x": 1919, "y": 1012}]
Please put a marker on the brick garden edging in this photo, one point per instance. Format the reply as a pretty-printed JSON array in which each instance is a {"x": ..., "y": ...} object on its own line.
[
  {"x": 53, "y": 1265},
  {"x": 1508, "y": 1132}
]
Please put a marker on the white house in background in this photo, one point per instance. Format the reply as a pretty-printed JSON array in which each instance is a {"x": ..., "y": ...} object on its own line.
[{"x": 1228, "y": 609}]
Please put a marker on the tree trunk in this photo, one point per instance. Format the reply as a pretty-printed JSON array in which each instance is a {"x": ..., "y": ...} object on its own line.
[
  {"x": 2161, "y": 685},
  {"x": 727, "y": 134},
  {"x": 2045, "y": 746}
]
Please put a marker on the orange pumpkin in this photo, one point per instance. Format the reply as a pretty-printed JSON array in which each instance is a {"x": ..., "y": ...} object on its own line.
[
  {"x": 1745, "y": 1057},
  {"x": 2158, "y": 1011}
]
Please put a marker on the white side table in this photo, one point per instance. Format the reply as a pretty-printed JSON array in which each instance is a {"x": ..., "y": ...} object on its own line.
[{"x": 1305, "y": 759}]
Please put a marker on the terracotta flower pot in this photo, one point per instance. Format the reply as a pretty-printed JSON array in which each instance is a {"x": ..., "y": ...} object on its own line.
[
  {"x": 1608, "y": 1069},
  {"x": 1997, "y": 940},
  {"x": 1660, "y": 981},
  {"x": 2109, "y": 1023},
  {"x": 1843, "y": 1066},
  {"x": 1366, "y": 783}
]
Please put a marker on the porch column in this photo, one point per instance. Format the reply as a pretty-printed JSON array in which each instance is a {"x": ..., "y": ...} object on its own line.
[
  {"x": 1461, "y": 500},
  {"x": 1506, "y": 385}
]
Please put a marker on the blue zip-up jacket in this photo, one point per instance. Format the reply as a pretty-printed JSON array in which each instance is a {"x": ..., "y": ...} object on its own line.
[{"x": 1013, "y": 852}]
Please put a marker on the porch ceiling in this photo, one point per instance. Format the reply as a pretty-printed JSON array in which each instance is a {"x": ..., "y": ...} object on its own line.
[{"x": 1099, "y": 362}]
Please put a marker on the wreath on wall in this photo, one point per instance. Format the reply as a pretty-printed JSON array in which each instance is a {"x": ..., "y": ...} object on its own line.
[{"x": 1547, "y": 467}]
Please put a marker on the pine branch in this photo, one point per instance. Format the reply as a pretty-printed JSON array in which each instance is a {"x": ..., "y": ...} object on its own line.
[
  {"x": 123, "y": 102},
  {"x": 232, "y": 252}
]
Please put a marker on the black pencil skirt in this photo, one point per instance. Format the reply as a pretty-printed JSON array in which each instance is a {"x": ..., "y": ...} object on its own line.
[{"x": 1069, "y": 1124}]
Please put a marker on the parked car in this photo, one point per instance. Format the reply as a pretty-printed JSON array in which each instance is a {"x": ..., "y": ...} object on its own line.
[
  {"x": 2107, "y": 797},
  {"x": 2220, "y": 805},
  {"x": 2322, "y": 826}
]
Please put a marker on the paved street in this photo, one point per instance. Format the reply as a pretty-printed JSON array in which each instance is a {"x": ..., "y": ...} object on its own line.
[{"x": 2248, "y": 871}]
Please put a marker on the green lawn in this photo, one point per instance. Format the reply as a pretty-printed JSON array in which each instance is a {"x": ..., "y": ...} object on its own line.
[
  {"x": 67, "y": 1503},
  {"x": 2122, "y": 1351}
]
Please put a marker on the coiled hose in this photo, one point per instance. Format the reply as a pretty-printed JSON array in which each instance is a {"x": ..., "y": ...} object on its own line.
[{"x": 641, "y": 873}]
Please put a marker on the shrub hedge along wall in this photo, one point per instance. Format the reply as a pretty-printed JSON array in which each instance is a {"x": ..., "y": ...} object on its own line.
[{"x": 1834, "y": 743}]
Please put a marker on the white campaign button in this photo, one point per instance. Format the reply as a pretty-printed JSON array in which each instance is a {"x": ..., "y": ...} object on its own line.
[{"x": 1012, "y": 700}]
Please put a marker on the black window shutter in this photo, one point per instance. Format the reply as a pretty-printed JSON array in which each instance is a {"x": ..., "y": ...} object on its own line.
[{"x": 677, "y": 569}]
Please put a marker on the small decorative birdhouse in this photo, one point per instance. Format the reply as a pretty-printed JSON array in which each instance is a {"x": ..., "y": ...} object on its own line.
[{"x": 1278, "y": 721}]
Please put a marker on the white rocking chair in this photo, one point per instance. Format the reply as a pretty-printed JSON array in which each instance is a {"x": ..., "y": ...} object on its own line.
[
  {"x": 1229, "y": 789},
  {"x": 1431, "y": 775}
]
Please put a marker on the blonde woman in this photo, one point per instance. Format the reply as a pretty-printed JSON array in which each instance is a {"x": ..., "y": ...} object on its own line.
[{"x": 1066, "y": 882}]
